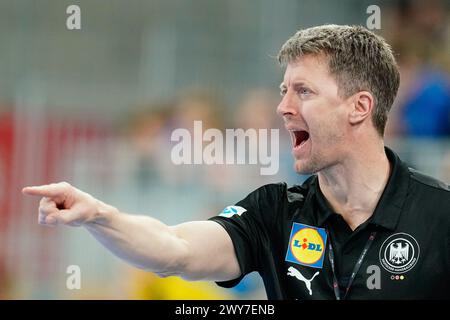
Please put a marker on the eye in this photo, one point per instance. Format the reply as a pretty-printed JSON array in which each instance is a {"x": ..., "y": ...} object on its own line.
[
  {"x": 283, "y": 91},
  {"x": 304, "y": 91}
]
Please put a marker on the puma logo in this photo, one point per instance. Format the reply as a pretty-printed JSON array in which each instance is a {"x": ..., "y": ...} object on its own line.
[{"x": 295, "y": 273}]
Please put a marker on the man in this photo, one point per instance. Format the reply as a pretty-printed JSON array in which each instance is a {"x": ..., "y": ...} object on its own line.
[{"x": 364, "y": 226}]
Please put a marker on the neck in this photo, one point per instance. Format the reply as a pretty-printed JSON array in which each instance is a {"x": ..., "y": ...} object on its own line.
[{"x": 354, "y": 186}]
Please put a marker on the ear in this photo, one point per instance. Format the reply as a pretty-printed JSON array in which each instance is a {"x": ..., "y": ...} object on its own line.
[{"x": 362, "y": 105}]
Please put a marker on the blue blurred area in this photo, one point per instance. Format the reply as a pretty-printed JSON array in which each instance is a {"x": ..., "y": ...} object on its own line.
[{"x": 426, "y": 113}]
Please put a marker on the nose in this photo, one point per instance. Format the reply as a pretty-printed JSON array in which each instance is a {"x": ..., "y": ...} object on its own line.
[{"x": 288, "y": 106}]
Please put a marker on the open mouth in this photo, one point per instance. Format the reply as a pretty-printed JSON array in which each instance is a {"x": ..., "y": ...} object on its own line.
[{"x": 299, "y": 137}]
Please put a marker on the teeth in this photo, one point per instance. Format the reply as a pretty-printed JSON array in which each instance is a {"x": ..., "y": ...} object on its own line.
[{"x": 293, "y": 138}]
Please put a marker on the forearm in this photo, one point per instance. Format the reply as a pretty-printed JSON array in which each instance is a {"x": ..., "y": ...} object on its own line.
[
  {"x": 140, "y": 240},
  {"x": 193, "y": 250}
]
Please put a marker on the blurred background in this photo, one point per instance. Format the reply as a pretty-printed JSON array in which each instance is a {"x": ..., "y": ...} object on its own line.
[{"x": 97, "y": 106}]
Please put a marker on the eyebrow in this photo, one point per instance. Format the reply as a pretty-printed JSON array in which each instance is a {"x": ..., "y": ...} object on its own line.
[{"x": 295, "y": 84}]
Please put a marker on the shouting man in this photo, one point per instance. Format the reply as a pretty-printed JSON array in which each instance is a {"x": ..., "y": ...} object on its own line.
[{"x": 363, "y": 226}]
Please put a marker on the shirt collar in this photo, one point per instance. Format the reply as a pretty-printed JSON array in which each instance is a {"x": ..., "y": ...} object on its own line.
[{"x": 389, "y": 207}]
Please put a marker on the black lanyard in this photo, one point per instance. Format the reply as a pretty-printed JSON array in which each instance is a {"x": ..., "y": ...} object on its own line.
[{"x": 358, "y": 264}]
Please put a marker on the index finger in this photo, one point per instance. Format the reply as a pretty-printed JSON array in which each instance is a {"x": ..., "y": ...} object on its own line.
[{"x": 48, "y": 190}]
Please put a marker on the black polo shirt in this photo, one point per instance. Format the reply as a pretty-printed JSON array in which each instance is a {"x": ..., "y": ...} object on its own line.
[{"x": 284, "y": 233}]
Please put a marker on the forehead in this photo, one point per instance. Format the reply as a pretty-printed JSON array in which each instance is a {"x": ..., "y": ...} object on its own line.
[{"x": 310, "y": 68}]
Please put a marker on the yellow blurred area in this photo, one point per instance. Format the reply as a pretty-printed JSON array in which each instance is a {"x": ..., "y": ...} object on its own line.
[{"x": 148, "y": 286}]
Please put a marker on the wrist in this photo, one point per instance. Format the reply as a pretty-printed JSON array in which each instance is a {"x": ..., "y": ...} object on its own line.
[{"x": 103, "y": 215}]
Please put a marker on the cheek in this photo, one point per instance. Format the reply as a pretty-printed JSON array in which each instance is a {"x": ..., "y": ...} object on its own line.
[{"x": 327, "y": 127}]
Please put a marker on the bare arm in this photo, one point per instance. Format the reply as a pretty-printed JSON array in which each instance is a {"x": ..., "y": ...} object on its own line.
[{"x": 193, "y": 250}]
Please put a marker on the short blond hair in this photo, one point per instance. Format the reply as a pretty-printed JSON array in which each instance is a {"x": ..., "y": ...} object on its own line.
[{"x": 357, "y": 58}]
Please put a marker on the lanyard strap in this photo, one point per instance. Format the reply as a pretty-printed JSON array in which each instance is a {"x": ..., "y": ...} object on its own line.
[{"x": 358, "y": 264}]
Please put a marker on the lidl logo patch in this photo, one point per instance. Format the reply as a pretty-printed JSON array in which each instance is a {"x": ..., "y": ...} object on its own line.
[{"x": 306, "y": 245}]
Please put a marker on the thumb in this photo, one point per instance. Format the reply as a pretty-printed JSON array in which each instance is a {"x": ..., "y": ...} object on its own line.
[{"x": 68, "y": 217}]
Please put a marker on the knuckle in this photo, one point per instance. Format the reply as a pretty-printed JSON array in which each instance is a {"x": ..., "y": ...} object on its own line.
[
  {"x": 43, "y": 210},
  {"x": 46, "y": 209},
  {"x": 44, "y": 201},
  {"x": 65, "y": 184}
]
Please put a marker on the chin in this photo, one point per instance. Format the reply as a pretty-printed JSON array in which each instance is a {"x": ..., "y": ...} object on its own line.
[{"x": 304, "y": 167}]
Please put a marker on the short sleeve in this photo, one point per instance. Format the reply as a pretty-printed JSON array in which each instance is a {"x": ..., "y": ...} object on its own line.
[{"x": 249, "y": 223}]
